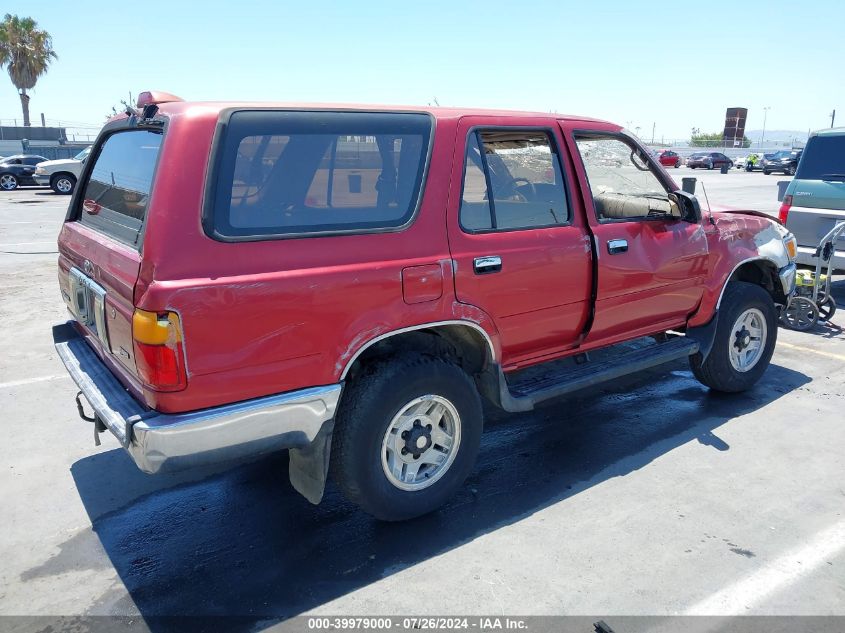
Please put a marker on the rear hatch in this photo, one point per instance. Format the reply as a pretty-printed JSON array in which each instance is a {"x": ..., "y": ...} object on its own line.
[
  {"x": 816, "y": 196},
  {"x": 100, "y": 243}
]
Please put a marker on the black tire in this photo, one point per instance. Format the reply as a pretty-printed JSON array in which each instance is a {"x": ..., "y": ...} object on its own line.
[
  {"x": 717, "y": 371},
  {"x": 710, "y": 166},
  {"x": 8, "y": 182},
  {"x": 366, "y": 411},
  {"x": 63, "y": 184},
  {"x": 790, "y": 171},
  {"x": 766, "y": 172},
  {"x": 677, "y": 164}
]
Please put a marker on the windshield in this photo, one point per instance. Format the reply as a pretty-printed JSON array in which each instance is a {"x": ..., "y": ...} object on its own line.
[{"x": 83, "y": 154}]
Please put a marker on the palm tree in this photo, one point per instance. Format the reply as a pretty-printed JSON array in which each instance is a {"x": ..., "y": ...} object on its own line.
[{"x": 26, "y": 51}]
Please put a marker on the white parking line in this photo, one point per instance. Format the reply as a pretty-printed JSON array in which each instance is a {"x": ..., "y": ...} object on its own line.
[
  {"x": 738, "y": 598},
  {"x": 29, "y": 381},
  {"x": 27, "y": 244},
  {"x": 801, "y": 348}
]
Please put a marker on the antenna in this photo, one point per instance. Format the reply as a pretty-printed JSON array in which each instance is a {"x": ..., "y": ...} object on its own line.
[{"x": 707, "y": 200}]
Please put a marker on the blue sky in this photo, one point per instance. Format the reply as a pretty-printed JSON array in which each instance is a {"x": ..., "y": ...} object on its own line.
[{"x": 677, "y": 64}]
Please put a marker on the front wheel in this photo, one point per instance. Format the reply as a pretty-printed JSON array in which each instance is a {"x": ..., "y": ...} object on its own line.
[
  {"x": 745, "y": 339},
  {"x": 8, "y": 182},
  {"x": 63, "y": 184},
  {"x": 766, "y": 172},
  {"x": 406, "y": 436}
]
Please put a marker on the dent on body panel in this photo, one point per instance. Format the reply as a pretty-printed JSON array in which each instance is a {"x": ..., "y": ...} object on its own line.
[{"x": 758, "y": 237}]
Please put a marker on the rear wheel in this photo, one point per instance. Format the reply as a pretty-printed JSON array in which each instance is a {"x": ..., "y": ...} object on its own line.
[
  {"x": 790, "y": 171},
  {"x": 63, "y": 184},
  {"x": 406, "y": 436},
  {"x": 766, "y": 172},
  {"x": 677, "y": 164},
  {"x": 8, "y": 182},
  {"x": 745, "y": 339}
]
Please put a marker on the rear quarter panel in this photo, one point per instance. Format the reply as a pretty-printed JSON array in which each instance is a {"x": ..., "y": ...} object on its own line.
[{"x": 272, "y": 316}]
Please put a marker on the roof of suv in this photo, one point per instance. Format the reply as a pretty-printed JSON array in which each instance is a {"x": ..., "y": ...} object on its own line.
[
  {"x": 179, "y": 107},
  {"x": 831, "y": 131}
]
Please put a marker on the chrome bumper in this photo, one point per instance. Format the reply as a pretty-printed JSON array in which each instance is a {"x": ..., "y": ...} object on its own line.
[
  {"x": 787, "y": 279},
  {"x": 160, "y": 442}
]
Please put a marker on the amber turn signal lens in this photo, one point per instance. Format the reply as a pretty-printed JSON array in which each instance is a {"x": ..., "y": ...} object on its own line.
[
  {"x": 150, "y": 328},
  {"x": 791, "y": 247}
]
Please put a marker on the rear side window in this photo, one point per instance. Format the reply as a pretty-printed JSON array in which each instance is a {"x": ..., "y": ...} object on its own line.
[
  {"x": 521, "y": 169},
  {"x": 284, "y": 174},
  {"x": 115, "y": 198},
  {"x": 823, "y": 157}
]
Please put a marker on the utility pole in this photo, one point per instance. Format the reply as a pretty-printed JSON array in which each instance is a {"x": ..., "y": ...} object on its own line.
[
  {"x": 832, "y": 117},
  {"x": 653, "y": 126},
  {"x": 43, "y": 123},
  {"x": 765, "y": 114}
]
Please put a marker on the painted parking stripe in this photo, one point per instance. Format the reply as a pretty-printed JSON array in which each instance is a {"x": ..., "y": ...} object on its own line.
[
  {"x": 738, "y": 598},
  {"x": 26, "y": 244},
  {"x": 29, "y": 381},
  {"x": 801, "y": 348}
]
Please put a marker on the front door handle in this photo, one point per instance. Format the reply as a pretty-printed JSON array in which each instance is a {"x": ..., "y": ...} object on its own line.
[
  {"x": 486, "y": 265},
  {"x": 614, "y": 247}
]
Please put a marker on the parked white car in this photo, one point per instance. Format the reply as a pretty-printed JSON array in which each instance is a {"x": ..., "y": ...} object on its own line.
[{"x": 61, "y": 175}]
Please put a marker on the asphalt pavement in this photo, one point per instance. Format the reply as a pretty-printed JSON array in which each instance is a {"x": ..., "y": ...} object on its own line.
[{"x": 650, "y": 496}]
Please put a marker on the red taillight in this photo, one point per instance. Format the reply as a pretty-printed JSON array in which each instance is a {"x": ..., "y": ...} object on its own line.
[
  {"x": 160, "y": 366},
  {"x": 784, "y": 209},
  {"x": 159, "y": 359}
]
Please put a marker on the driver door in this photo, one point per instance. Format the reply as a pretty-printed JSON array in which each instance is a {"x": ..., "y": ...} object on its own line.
[{"x": 652, "y": 265}]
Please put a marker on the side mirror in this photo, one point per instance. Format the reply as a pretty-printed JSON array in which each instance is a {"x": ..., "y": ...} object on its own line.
[{"x": 688, "y": 204}]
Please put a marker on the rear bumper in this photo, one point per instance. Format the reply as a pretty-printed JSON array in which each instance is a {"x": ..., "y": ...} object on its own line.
[
  {"x": 805, "y": 257},
  {"x": 160, "y": 442}
]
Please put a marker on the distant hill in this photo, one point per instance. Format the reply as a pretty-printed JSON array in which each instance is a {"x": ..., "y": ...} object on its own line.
[{"x": 777, "y": 135}]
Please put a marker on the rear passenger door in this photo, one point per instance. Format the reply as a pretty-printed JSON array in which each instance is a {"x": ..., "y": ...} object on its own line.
[
  {"x": 651, "y": 264},
  {"x": 517, "y": 239}
]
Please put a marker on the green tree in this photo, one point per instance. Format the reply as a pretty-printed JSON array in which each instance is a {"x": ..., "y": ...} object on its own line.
[
  {"x": 26, "y": 51},
  {"x": 713, "y": 140}
]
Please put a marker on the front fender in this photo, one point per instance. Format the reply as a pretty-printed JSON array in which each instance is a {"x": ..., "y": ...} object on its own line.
[{"x": 735, "y": 240}]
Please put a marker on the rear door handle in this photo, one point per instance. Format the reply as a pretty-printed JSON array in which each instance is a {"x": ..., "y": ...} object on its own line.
[
  {"x": 614, "y": 247},
  {"x": 486, "y": 265}
]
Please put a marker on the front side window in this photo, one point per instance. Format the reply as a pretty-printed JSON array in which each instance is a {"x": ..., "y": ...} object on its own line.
[
  {"x": 522, "y": 171},
  {"x": 621, "y": 180},
  {"x": 115, "y": 197},
  {"x": 298, "y": 173}
]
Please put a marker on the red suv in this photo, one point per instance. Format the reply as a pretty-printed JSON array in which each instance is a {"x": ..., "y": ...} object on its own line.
[{"x": 349, "y": 282}]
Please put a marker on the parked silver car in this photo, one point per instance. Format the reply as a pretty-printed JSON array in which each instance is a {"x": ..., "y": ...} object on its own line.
[{"x": 61, "y": 175}]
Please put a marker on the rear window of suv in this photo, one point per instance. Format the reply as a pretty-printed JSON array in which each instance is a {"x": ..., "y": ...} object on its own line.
[
  {"x": 823, "y": 156},
  {"x": 115, "y": 197},
  {"x": 288, "y": 174}
]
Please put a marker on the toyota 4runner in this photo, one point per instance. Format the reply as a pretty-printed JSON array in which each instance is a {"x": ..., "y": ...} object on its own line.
[{"x": 348, "y": 283}]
